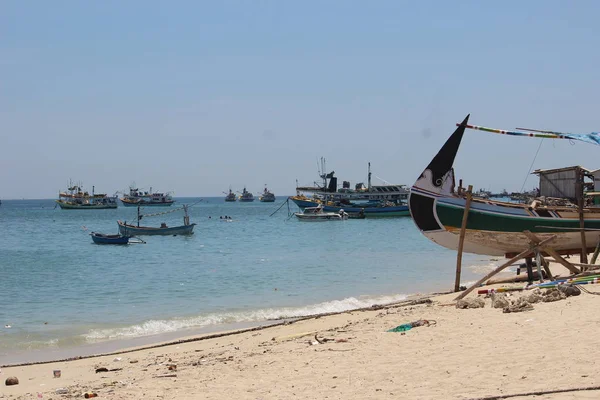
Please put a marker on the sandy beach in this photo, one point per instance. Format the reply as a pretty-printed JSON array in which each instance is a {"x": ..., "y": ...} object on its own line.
[{"x": 465, "y": 354}]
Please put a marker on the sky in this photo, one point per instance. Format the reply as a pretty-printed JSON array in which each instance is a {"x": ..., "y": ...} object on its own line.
[{"x": 196, "y": 97}]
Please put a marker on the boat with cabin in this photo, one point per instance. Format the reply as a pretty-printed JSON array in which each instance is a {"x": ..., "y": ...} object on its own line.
[
  {"x": 267, "y": 196},
  {"x": 386, "y": 200},
  {"x": 164, "y": 230},
  {"x": 138, "y": 197},
  {"x": 76, "y": 198},
  {"x": 563, "y": 207},
  {"x": 246, "y": 196},
  {"x": 230, "y": 196}
]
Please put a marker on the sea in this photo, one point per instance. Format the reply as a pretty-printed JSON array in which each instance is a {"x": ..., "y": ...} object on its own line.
[{"x": 62, "y": 296}]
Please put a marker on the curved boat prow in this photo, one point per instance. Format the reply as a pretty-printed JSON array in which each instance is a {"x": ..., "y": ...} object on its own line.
[{"x": 436, "y": 180}]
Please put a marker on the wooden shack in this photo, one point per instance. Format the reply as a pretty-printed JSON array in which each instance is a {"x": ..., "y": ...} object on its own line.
[{"x": 566, "y": 183}]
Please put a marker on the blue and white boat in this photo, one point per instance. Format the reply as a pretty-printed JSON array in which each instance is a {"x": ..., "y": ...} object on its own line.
[
  {"x": 387, "y": 200},
  {"x": 101, "y": 238}
]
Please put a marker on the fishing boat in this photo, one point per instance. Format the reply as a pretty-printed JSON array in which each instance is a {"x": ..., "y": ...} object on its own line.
[
  {"x": 230, "y": 196},
  {"x": 75, "y": 198},
  {"x": 316, "y": 214},
  {"x": 164, "y": 230},
  {"x": 246, "y": 196},
  {"x": 101, "y": 238},
  {"x": 267, "y": 196},
  {"x": 387, "y": 200},
  {"x": 495, "y": 227},
  {"x": 138, "y": 197}
]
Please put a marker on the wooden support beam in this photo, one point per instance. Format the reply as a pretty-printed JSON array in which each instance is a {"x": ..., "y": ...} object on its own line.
[
  {"x": 461, "y": 240},
  {"x": 516, "y": 258},
  {"x": 581, "y": 219},
  {"x": 546, "y": 265},
  {"x": 596, "y": 252},
  {"x": 552, "y": 252}
]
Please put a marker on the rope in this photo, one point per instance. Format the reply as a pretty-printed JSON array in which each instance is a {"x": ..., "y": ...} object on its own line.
[
  {"x": 531, "y": 166},
  {"x": 279, "y": 208},
  {"x": 170, "y": 211}
]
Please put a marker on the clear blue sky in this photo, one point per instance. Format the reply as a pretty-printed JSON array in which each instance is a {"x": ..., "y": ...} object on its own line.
[{"x": 197, "y": 96}]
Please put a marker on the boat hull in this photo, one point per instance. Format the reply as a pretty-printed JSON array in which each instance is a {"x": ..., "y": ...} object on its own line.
[
  {"x": 369, "y": 212},
  {"x": 70, "y": 206},
  {"x": 319, "y": 217},
  {"x": 267, "y": 200},
  {"x": 100, "y": 238},
  {"x": 132, "y": 230}
]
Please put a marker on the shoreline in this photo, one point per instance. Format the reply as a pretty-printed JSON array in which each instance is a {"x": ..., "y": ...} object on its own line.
[
  {"x": 211, "y": 334},
  {"x": 464, "y": 354},
  {"x": 126, "y": 345}
]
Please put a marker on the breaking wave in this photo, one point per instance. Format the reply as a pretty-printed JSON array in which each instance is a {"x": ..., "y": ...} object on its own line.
[{"x": 155, "y": 327}]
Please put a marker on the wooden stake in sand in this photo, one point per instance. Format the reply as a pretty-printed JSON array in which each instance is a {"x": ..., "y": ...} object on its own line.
[
  {"x": 596, "y": 252},
  {"x": 510, "y": 262},
  {"x": 461, "y": 240}
]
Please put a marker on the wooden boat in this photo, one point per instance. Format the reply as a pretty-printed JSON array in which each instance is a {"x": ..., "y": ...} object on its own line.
[
  {"x": 138, "y": 197},
  {"x": 75, "y": 198},
  {"x": 495, "y": 227},
  {"x": 267, "y": 196},
  {"x": 101, "y": 238},
  {"x": 246, "y": 196},
  {"x": 387, "y": 200},
  {"x": 316, "y": 214},
  {"x": 164, "y": 230}
]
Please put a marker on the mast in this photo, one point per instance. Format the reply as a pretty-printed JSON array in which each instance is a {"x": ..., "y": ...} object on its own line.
[
  {"x": 186, "y": 217},
  {"x": 369, "y": 177},
  {"x": 138, "y": 216}
]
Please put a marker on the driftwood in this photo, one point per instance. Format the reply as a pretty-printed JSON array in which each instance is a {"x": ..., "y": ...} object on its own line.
[
  {"x": 537, "y": 393},
  {"x": 166, "y": 376}
]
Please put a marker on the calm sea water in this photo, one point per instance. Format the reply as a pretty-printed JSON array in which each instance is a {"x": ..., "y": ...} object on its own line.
[{"x": 59, "y": 292}]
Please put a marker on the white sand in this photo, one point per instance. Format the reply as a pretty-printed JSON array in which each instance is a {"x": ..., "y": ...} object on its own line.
[{"x": 468, "y": 354}]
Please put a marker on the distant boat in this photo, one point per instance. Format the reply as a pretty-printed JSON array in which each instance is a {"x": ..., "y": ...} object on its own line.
[
  {"x": 137, "y": 197},
  {"x": 101, "y": 238},
  {"x": 246, "y": 196},
  {"x": 267, "y": 196},
  {"x": 230, "y": 196},
  {"x": 75, "y": 198},
  {"x": 164, "y": 230},
  {"x": 316, "y": 214}
]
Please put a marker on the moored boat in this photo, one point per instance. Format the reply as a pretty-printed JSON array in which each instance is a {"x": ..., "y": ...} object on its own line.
[
  {"x": 164, "y": 230},
  {"x": 75, "y": 198},
  {"x": 230, "y": 196},
  {"x": 316, "y": 214},
  {"x": 267, "y": 196},
  {"x": 101, "y": 238},
  {"x": 388, "y": 200},
  {"x": 246, "y": 196},
  {"x": 138, "y": 197},
  {"x": 498, "y": 228}
]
